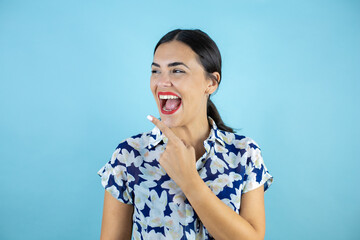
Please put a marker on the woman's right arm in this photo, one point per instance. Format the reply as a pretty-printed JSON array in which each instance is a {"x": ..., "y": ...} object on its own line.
[{"x": 116, "y": 220}]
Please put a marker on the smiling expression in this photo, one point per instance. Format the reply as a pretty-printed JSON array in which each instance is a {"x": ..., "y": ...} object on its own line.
[{"x": 177, "y": 73}]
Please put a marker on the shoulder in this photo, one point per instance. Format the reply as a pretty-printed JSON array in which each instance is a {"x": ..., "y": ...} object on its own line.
[
  {"x": 242, "y": 151},
  {"x": 238, "y": 141},
  {"x": 136, "y": 142},
  {"x": 133, "y": 146}
]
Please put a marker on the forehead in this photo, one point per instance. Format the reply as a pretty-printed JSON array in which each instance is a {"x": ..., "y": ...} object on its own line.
[{"x": 175, "y": 51}]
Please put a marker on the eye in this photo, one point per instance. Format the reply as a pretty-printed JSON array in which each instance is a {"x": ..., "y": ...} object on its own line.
[
  {"x": 153, "y": 71},
  {"x": 178, "y": 71}
]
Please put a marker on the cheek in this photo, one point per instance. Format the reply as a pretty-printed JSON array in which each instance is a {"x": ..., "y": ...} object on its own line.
[
  {"x": 152, "y": 86},
  {"x": 194, "y": 93},
  {"x": 193, "y": 101}
]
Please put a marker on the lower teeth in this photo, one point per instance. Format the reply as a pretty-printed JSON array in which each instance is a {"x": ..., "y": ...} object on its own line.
[{"x": 166, "y": 109}]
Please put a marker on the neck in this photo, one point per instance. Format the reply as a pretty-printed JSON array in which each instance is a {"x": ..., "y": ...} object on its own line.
[{"x": 194, "y": 133}]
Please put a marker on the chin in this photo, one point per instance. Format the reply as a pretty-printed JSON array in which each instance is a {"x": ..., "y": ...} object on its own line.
[
  {"x": 172, "y": 120},
  {"x": 169, "y": 121}
]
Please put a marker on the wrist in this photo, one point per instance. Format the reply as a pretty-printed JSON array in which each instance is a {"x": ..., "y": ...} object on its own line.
[{"x": 193, "y": 185}]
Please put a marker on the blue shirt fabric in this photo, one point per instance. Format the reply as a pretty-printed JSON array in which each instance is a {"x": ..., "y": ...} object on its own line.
[{"x": 231, "y": 166}]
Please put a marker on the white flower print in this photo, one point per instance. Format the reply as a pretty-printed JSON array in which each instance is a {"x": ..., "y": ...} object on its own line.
[
  {"x": 196, "y": 235},
  {"x": 178, "y": 212},
  {"x": 151, "y": 173},
  {"x": 136, "y": 143},
  {"x": 148, "y": 184},
  {"x": 105, "y": 172},
  {"x": 217, "y": 165},
  {"x": 126, "y": 196},
  {"x": 234, "y": 201},
  {"x": 218, "y": 184},
  {"x": 114, "y": 155},
  {"x": 228, "y": 137},
  {"x": 232, "y": 159},
  {"x": 140, "y": 196},
  {"x": 136, "y": 234},
  {"x": 203, "y": 173},
  {"x": 174, "y": 233},
  {"x": 179, "y": 199},
  {"x": 256, "y": 158},
  {"x": 153, "y": 235},
  {"x": 172, "y": 186},
  {"x": 221, "y": 149},
  {"x": 130, "y": 178},
  {"x": 175, "y": 222},
  {"x": 129, "y": 157},
  {"x": 233, "y": 176},
  {"x": 223, "y": 180},
  {"x": 240, "y": 144},
  {"x": 157, "y": 206},
  {"x": 189, "y": 211},
  {"x": 134, "y": 176},
  {"x": 119, "y": 173},
  {"x": 190, "y": 235},
  {"x": 151, "y": 155},
  {"x": 113, "y": 191}
]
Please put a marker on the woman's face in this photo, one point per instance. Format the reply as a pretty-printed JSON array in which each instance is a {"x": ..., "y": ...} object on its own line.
[{"x": 179, "y": 84}]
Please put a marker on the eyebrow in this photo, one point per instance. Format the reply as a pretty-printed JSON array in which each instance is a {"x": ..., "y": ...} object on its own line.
[{"x": 173, "y": 64}]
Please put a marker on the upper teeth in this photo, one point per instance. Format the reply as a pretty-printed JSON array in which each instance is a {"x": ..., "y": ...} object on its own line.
[{"x": 167, "y": 97}]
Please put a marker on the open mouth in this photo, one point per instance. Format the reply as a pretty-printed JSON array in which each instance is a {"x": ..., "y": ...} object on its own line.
[{"x": 169, "y": 102}]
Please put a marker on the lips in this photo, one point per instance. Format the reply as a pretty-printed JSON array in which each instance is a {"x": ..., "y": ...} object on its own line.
[{"x": 169, "y": 102}]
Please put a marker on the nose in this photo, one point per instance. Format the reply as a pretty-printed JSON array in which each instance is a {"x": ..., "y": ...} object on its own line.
[{"x": 164, "y": 81}]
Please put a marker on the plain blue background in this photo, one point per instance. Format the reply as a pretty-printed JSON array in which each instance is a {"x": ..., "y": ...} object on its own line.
[{"x": 75, "y": 82}]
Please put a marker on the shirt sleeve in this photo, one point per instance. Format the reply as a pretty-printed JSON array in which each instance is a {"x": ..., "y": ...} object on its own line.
[
  {"x": 114, "y": 177},
  {"x": 256, "y": 173}
]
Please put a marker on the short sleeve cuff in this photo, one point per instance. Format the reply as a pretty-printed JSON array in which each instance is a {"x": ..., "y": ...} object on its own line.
[
  {"x": 114, "y": 180},
  {"x": 266, "y": 180},
  {"x": 256, "y": 172}
]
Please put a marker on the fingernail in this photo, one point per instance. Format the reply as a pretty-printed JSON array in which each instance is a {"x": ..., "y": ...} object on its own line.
[{"x": 149, "y": 117}]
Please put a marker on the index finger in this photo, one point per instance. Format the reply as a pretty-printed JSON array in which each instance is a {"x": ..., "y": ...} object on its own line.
[{"x": 164, "y": 129}]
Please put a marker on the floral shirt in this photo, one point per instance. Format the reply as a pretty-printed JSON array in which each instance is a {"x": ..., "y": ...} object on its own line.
[{"x": 231, "y": 166}]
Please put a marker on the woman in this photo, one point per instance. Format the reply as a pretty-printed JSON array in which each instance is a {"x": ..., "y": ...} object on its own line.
[{"x": 186, "y": 178}]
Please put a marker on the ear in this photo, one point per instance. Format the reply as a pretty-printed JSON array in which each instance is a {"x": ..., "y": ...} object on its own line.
[{"x": 213, "y": 82}]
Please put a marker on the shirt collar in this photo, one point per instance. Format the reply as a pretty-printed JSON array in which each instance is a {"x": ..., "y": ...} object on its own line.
[{"x": 156, "y": 136}]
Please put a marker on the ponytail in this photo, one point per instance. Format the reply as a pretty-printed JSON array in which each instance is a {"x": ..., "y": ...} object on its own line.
[{"x": 214, "y": 114}]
